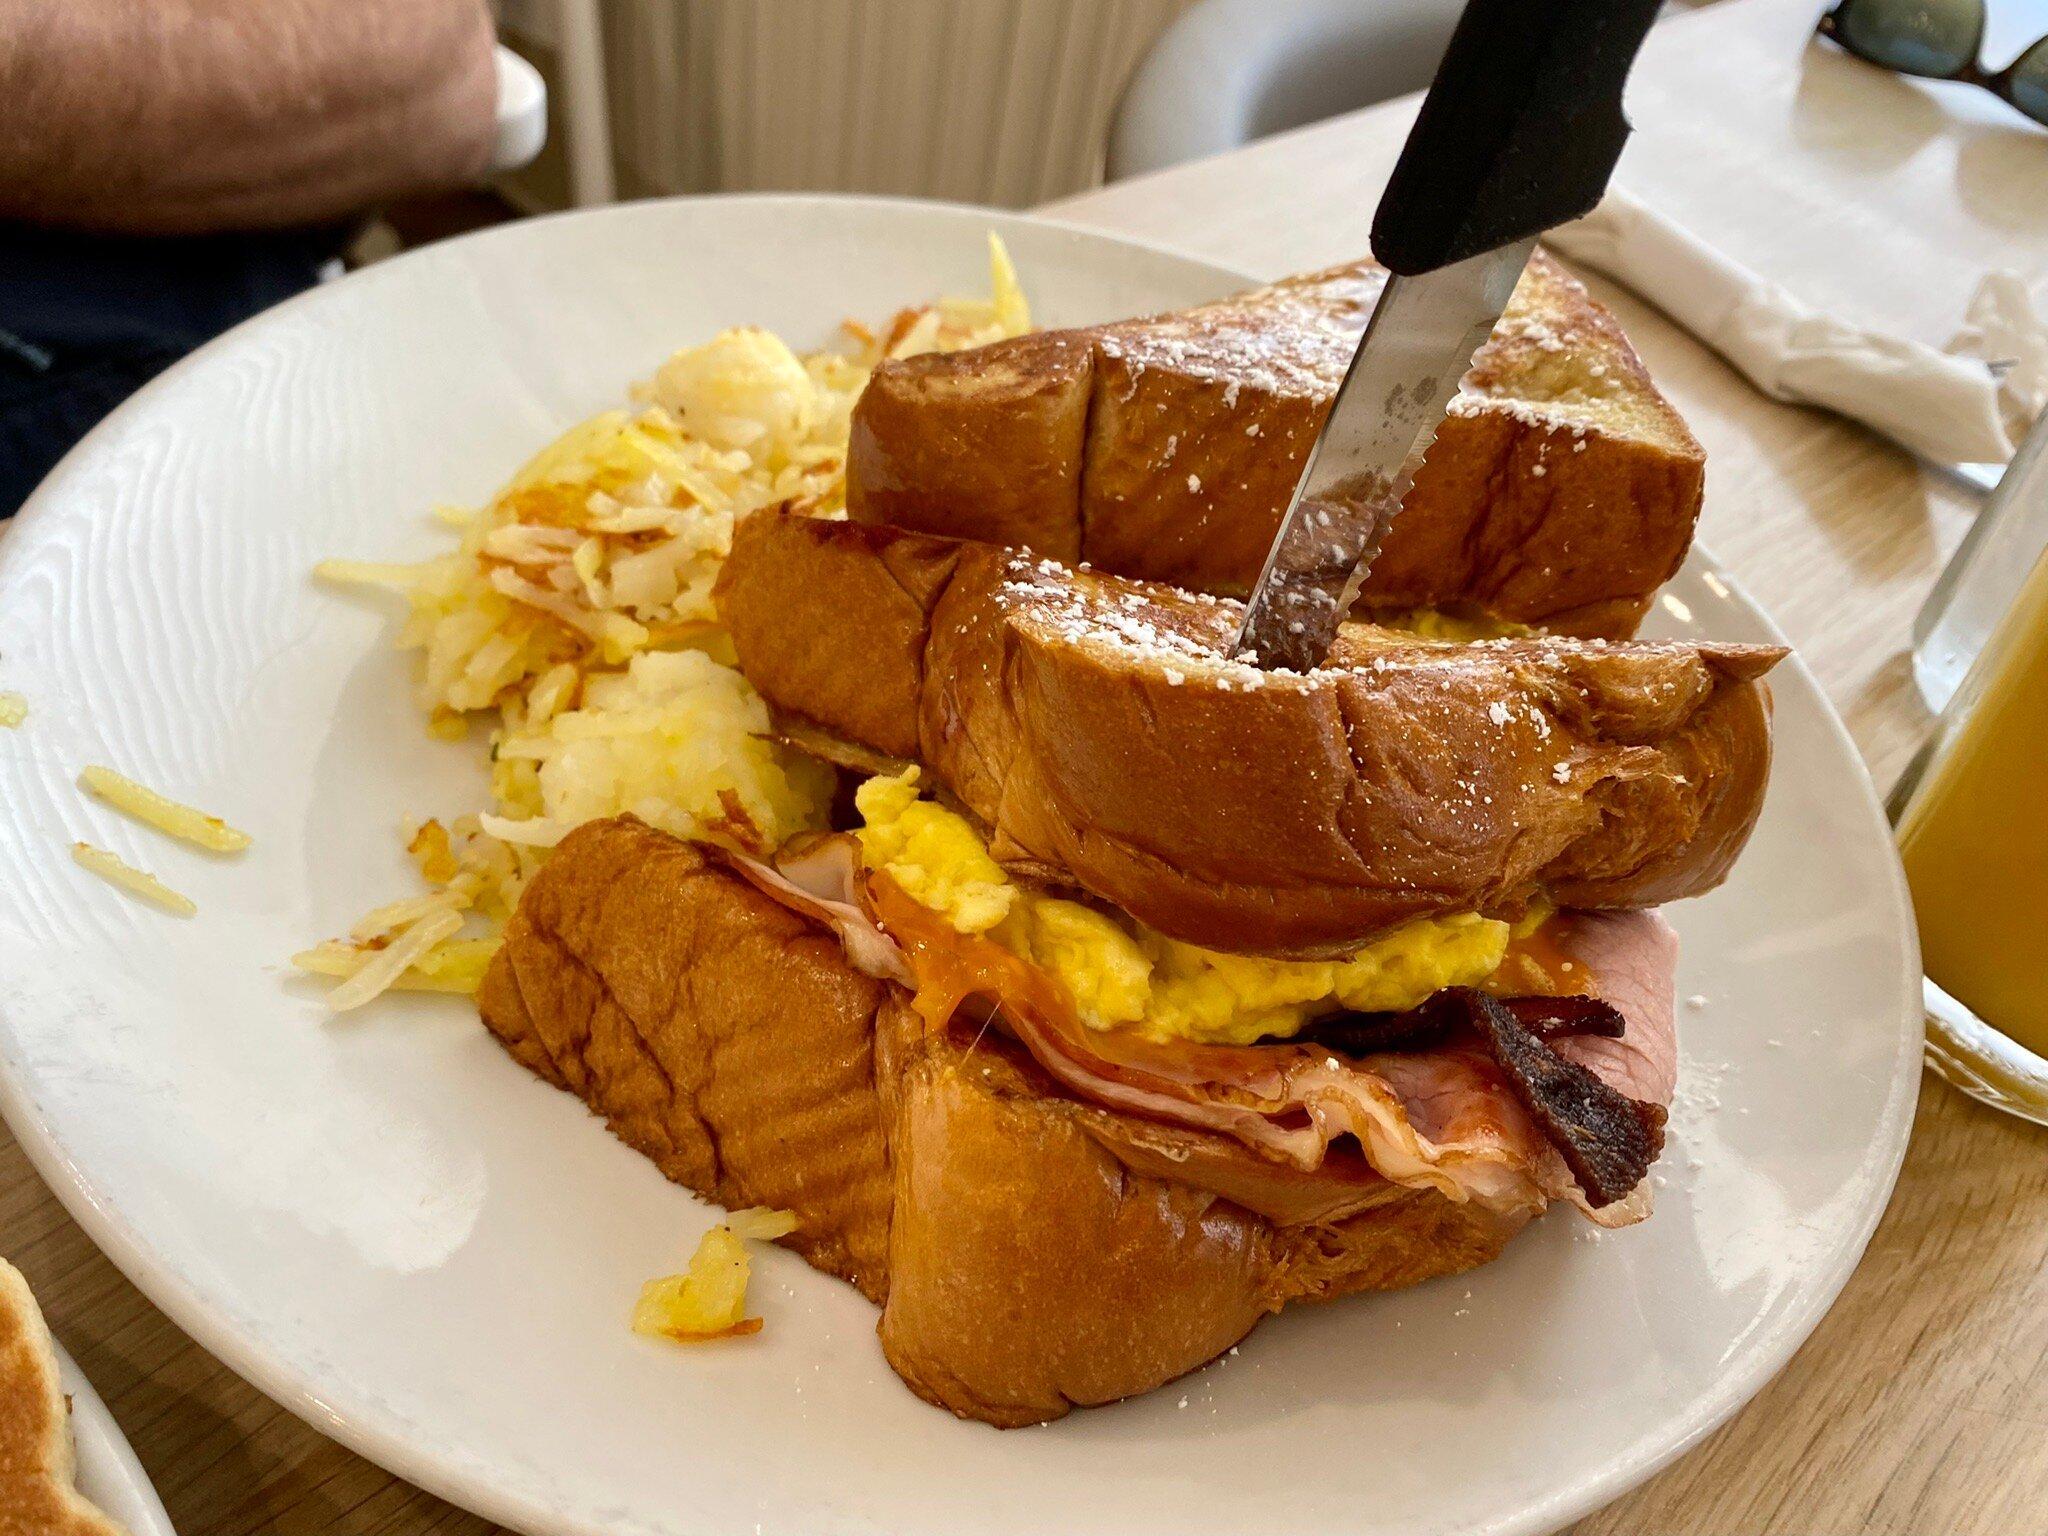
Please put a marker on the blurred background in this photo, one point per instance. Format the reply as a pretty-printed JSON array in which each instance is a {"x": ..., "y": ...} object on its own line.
[
  {"x": 1002, "y": 101},
  {"x": 168, "y": 170},
  {"x": 1009, "y": 102}
]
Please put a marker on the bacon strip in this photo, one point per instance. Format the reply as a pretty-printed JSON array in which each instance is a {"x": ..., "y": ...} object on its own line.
[
  {"x": 1434, "y": 1022},
  {"x": 1606, "y": 1139}
]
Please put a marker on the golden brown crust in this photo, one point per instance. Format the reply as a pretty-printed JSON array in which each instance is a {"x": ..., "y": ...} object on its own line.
[
  {"x": 1091, "y": 724},
  {"x": 716, "y": 1031},
  {"x": 1029, "y": 1270},
  {"x": 1036, "y": 1266},
  {"x": 1562, "y": 491},
  {"x": 1026, "y": 1267},
  {"x": 1010, "y": 436},
  {"x": 37, "y": 1461}
]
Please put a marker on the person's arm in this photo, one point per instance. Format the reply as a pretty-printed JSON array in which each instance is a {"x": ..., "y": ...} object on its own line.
[{"x": 173, "y": 116}]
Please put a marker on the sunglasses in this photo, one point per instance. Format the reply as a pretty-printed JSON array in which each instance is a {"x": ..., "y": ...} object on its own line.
[{"x": 1938, "y": 40}]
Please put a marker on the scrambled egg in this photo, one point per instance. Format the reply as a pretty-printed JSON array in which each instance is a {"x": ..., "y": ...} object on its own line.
[
  {"x": 1123, "y": 976},
  {"x": 1436, "y": 624},
  {"x": 934, "y": 855}
]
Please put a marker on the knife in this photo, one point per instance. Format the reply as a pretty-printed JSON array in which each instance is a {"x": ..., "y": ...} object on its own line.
[{"x": 1519, "y": 132}]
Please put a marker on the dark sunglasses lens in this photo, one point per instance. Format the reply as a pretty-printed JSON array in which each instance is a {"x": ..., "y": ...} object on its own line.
[
  {"x": 2029, "y": 82},
  {"x": 1935, "y": 38}
]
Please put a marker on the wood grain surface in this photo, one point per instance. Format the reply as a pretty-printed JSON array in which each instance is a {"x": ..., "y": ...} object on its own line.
[{"x": 1920, "y": 1407}]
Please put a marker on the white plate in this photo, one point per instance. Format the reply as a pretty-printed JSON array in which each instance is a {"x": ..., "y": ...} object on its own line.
[
  {"x": 396, "y": 1231},
  {"x": 108, "y": 1473}
]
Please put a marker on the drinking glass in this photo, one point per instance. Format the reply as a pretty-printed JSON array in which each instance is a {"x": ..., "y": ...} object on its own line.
[
  {"x": 1980, "y": 583},
  {"x": 1971, "y": 812}
]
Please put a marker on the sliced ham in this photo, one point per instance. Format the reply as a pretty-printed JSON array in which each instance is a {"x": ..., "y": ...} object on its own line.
[
  {"x": 1439, "y": 1119},
  {"x": 1442, "y": 1118},
  {"x": 820, "y": 878},
  {"x": 1631, "y": 961}
]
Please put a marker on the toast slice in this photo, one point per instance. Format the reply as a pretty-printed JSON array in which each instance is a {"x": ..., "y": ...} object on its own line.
[
  {"x": 1561, "y": 491},
  {"x": 1026, "y": 1254},
  {"x": 720, "y": 1034},
  {"x": 1095, "y": 728},
  {"x": 38, "y": 1462}
]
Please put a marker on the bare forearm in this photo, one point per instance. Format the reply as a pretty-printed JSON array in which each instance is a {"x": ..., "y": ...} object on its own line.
[{"x": 186, "y": 115}]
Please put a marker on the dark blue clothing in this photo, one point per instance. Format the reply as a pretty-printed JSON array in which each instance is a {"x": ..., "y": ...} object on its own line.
[{"x": 86, "y": 320}]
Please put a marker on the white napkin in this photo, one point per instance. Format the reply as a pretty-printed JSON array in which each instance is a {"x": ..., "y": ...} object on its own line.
[
  {"x": 1951, "y": 409},
  {"x": 2001, "y": 330}
]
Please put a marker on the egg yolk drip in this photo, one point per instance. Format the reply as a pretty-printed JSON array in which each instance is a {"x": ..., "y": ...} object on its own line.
[{"x": 1123, "y": 976}]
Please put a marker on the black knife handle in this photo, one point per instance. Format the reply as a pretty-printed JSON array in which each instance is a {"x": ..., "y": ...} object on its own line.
[{"x": 1518, "y": 134}]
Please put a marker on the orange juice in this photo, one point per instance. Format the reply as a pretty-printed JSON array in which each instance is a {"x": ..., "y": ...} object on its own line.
[{"x": 1974, "y": 836}]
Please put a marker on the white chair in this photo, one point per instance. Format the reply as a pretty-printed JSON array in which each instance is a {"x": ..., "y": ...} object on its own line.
[{"x": 1230, "y": 71}]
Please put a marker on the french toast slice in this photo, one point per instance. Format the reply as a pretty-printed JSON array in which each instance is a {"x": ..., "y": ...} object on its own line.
[
  {"x": 1023, "y": 1266},
  {"x": 718, "y": 1032},
  {"x": 1561, "y": 491},
  {"x": 1095, "y": 728}
]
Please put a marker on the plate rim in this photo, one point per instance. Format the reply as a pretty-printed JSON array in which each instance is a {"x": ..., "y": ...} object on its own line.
[
  {"x": 470, "y": 1487},
  {"x": 102, "y": 1449}
]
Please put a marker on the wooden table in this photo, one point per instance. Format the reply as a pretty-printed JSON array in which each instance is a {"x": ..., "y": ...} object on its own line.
[{"x": 1920, "y": 1407}]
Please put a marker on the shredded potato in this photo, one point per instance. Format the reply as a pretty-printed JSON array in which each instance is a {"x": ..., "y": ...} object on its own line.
[
  {"x": 13, "y": 710},
  {"x": 161, "y": 812},
  {"x": 392, "y": 916},
  {"x": 677, "y": 739},
  {"x": 762, "y": 1223},
  {"x": 575, "y": 614},
  {"x": 454, "y": 965},
  {"x": 709, "y": 1299},
  {"x": 364, "y": 573},
  {"x": 139, "y": 882},
  {"x": 386, "y": 965}
]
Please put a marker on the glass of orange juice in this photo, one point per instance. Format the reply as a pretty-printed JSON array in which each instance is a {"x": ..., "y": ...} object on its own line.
[{"x": 1972, "y": 819}]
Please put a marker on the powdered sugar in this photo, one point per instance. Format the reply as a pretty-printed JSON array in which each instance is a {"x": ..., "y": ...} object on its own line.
[
  {"x": 1186, "y": 637},
  {"x": 1532, "y": 329},
  {"x": 1530, "y": 413}
]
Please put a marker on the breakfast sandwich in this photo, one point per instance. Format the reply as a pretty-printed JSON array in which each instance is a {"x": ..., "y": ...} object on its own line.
[
  {"x": 38, "y": 1496},
  {"x": 888, "y": 845},
  {"x": 1145, "y": 991}
]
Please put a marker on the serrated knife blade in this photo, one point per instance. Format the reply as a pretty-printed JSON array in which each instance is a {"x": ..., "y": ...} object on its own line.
[
  {"x": 1519, "y": 132},
  {"x": 1416, "y": 349}
]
